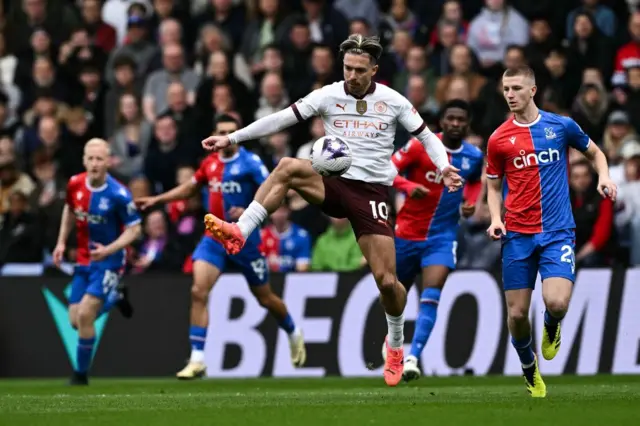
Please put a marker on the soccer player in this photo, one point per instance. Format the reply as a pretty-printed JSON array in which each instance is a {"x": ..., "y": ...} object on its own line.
[
  {"x": 233, "y": 176},
  {"x": 100, "y": 207},
  {"x": 365, "y": 115},
  {"x": 286, "y": 246},
  {"x": 427, "y": 224},
  {"x": 531, "y": 151}
]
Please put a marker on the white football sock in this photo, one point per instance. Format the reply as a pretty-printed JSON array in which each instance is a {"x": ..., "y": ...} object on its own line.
[
  {"x": 396, "y": 330},
  {"x": 197, "y": 356},
  {"x": 252, "y": 218}
]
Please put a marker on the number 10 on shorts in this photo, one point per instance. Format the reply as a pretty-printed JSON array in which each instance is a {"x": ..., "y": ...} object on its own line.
[{"x": 379, "y": 210}]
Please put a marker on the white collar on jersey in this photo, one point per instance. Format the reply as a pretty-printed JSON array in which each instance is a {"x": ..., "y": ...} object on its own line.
[
  {"x": 229, "y": 159},
  {"x": 454, "y": 151},
  {"x": 517, "y": 123},
  {"x": 93, "y": 189}
]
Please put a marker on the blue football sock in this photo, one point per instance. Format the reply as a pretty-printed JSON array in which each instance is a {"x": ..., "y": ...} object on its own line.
[
  {"x": 197, "y": 337},
  {"x": 551, "y": 320},
  {"x": 426, "y": 320},
  {"x": 84, "y": 352},
  {"x": 523, "y": 347},
  {"x": 287, "y": 324}
]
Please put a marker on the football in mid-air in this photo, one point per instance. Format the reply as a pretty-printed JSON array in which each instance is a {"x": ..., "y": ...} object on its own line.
[{"x": 330, "y": 156}]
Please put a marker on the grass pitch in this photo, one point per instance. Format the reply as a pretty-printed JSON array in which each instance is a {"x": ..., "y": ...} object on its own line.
[{"x": 328, "y": 402}]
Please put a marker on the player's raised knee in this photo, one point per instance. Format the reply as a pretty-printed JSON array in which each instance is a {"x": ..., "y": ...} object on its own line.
[
  {"x": 558, "y": 307},
  {"x": 386, "y": 281},
  {"x": 288, "y": 167},
  {"x": 85, "y": 316}
]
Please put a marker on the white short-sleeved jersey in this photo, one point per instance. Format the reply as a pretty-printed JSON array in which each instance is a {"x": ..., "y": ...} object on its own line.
[{"x": 367, "y": 125}]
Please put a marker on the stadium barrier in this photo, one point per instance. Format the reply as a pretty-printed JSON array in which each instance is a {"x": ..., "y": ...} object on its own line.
[{"x": 342, "y": 321}]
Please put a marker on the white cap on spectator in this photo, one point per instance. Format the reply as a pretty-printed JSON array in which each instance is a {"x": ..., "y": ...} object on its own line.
[{"x": 630, "y": 149}]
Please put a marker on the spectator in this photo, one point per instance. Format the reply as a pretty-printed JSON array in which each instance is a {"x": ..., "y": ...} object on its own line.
[
  {"x": 116, "y": 14},
  {"x": 8, "y": 63},
  {"x": 461, "y": 64},
  {"x": 40, "y": 46},
  {"x": 48, "y": 199},
  {"x": 164, "y": 155},
  {"x": 541, "y": 43},
  {"x": 131, "y": 139},
  {"x": 138, "y": 48},
  {"x": 617, "y": 132},
  {"x": 44, "y": 77},
  {"x": 228, "y": 18},
  {"x": 155, "y": 252},
  {"x": 337, "y": 249},
  {"x": 359, "y": 9},
  {"x": 78, "y": 132},
  {"x": 593, "y": 216},
  {"x": 93, "y": 96},
  {"x": 212, "y": 40},
  {"x": 19, "y": 233},
  {"x": 125, "y": 82},
  {"x": 439, "y": 58},
  {"x": 416, "y": 65},
  {"x": 286, "y": 246},
  {"x": 277, "y": 149},
  {"x": 629, "y": 54},
  {"x": 601, "y": 15},
  {"x": 265, "y": 28},
  {"x": 327, "y": 25},
  {"x": 632, "y": 95},
  {"x": 154, "y": 101},
  {"x": 558, "y": 87},
  {"x": 12, "y": 179},
  {"x": 169, "y": 33},
  {"x": 496, "y": 27},
  {"x": 400, "y": 17},
  {"x": 323, "y": 68},
  {"x": 628, "y": 218},
  {"x": 297, "y": 58},
  {"x": 273, "y": 96},
  {"x": 589, "y": 47},
  {"x": 452, "y": 15},
  {"x": 79, "y": 50},
  {"x": 103, "y": 35},
  {"x": 590, "y": 109},
  {"x": 183, "y": 113},
  {"x": 139, "y": 187},
  {"x": 9, "y": 122}
]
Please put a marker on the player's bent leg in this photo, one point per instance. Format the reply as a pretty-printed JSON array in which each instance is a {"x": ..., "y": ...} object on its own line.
[
  {"x": 73, "y": 315},
  {"x": 87, "y": 312},
  {"x": 379, "y": 250},
  {"x": 433, "y": 279},
  {"x": 276, "y": 307},
  {"x": 205, "y": 275},
  {"x": 291, "y": 173},
  {"x": 518, "y": 303},
  {"x": 556, "y": 293}
]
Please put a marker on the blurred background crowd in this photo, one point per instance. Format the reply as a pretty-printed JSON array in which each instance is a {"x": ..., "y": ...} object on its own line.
[{"x": 150, "y": 76}]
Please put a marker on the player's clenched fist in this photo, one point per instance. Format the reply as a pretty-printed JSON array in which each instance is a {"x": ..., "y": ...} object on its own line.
[
  {"x": 58, "y": 254},
  {"x": 607, "y": 188},
  {"x": 496, "y": 230},
  {"x": 215, "y": 143},
  {"x": 451, "y": 178}
]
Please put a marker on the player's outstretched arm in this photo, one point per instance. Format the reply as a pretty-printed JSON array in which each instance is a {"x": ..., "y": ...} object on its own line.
[
  {"x": 265, "y": 126},
  {"x": 128, "y": 236},
  {"x": 66, "y": 223},
  {"x": 180, "y": 192},
  {"x": 606, "y": 187}
]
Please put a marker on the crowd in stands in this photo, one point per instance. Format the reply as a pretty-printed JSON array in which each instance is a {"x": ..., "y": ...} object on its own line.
[{"x": 150, "y": 76}]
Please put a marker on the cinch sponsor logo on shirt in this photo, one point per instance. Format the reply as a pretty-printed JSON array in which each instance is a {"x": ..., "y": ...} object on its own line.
[
  {"x": 93, "y": 219},
  {"x": 433, "y": 176},
  {"x": 533, "y": 159},
  {"x": 228, "y": 187}
]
